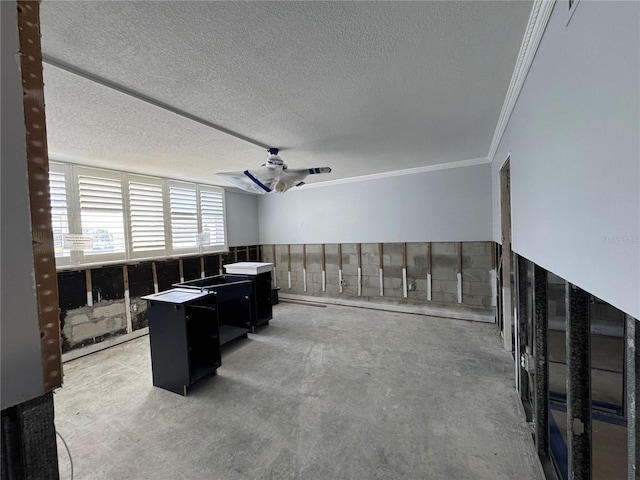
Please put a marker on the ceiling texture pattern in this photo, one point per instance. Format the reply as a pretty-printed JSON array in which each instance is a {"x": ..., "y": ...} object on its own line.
[{"x": 362, "y": 87}]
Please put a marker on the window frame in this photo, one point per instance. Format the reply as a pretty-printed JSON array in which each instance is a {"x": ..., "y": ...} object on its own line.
[{"x": 79, "y": 259}]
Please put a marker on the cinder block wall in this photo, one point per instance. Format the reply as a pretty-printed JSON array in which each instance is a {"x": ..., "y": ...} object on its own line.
[
  {"x": 461, "y": 272},
  {"x": 97, "y": 304}
]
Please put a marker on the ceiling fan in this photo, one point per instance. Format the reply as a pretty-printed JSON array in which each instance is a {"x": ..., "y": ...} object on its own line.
[{"x": 272, "y": 176}]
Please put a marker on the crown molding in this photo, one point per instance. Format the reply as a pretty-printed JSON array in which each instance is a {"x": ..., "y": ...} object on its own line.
[
  {"x": 399, "y": 173},
  {"x": 540, "y": 14}
]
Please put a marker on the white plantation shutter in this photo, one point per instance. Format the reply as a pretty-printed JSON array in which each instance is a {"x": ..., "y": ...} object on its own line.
[
  {"x": 59, "y": 210},
  {"x": 132, "y": 216},
  {"x": 184, "y": 216},
  {"x": 102, "y": 212},
  {"x": 212, "y": 218},
  {"x": 146, "y": 217}
]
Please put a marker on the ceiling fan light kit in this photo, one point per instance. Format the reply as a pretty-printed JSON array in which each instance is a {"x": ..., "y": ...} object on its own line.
[{"x": 272, "y": 176}]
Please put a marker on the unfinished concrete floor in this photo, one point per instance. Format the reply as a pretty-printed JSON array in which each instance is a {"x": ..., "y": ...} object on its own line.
[{"x": 321, "y": 393}]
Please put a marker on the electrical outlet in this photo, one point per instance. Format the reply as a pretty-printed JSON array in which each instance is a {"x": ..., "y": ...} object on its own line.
[
  {"x": 343, "y": 283},
  {"x": 134, "y": 307},
  {"x": 411, "y": 286}
]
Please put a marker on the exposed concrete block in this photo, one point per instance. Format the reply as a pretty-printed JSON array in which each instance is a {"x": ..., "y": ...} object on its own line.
[
  {"x": 445, "y": 286},
  {"x": 89, "y": 330},
  {"x": 108, "y": 309},
  {"x": 416, "y": 248},
  {"x": 352, "y": 259},
  {"x": 475, "y": 275},
  {"x": 393, "y": 249},
  {"x": 417, "y": 261},
  {"x": 370, "y": 259},
  {"x": 477, "y": 289},
  {"x": 417, "y": 272},
  {"x": 477, "y": 248},
  {"x": 443, "y": 273},
  {"x": 370, "y": 292},
  {"x": 444, "y": 297},
  {"x": 421, "y": 284},
  {"x": 393, "y": 272},
  {"x": 314, "y": 248},
  {"x": 370, "y": 270},
  {"x": 372, "y": 282},
  {"x": 76, "y": 319},
  {"x": 482, "y": 262},
  {"x": 473, "y": 300},
  {"x": 444, "y": 248},
  {"x": 314, "y": 265}
]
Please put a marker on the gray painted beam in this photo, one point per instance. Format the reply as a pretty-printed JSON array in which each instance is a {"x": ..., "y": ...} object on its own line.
[
  {"x": 541, "y": 364},
  {"x": 632, "y": 356},
  {"x": 578, "y": 383}
]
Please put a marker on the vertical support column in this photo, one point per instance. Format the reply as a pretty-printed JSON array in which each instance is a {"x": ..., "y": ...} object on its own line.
[
  {"x": 540, "y": 327},
  {"x": 181, "y": 270},
  {"x": 289, "y": 265},
  {"x": 340, "y": 279},
  {"x": 359, "y": 254},
  {"x": 324, "y": 267},
  {"x": 275, "y": 269},
  {"x": 459, "y": 270},
  {"x": 494, "y": 278},
  {"x": 523, "y": 334},
  {"x": 405, "y": 292},
  {"x": 37, "y": 163},
  {"x": 127, "y": 299},
  {"x": 304, "y": 267},
  {"x": 578, "y": 383},
  {"x": 220, "y": 263},
  {"x": 235, "y": 254},
  {"x": 380, "y": 267},
  {"x": 429, "y": 271},
  {"x": 87, "y": 278},
  {"x": 154, "y": 273},
  {"x": 632, "y": 364},
  {"x": 246, "y": 253},
  {"x": 202, "y": 270}
]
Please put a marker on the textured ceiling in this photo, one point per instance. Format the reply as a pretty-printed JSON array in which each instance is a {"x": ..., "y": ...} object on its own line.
[{"x": 363, "y": 87}]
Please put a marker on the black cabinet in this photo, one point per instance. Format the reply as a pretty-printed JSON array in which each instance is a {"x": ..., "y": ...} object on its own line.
[
  {"x": 260, "y": 296},
  {"x": 184, "y": 337}
]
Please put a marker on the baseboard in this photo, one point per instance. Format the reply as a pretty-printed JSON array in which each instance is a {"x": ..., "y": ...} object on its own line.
[
  {"x": 485, "y": 315},
  {"x": 96, "y": 347}
]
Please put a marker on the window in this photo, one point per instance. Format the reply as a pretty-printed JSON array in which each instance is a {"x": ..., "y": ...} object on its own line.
[
  {"x": 102, "y": 213},
  {"x": 114, "y": 216},
  {"x": 59, "y": 211},
  {"x": 146, "y": 216},
  {"x": 212, "y": 218},
  {"x": 184, "y": 216}
]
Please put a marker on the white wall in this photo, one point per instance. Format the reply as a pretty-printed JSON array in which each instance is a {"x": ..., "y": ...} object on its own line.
[
  {"x": 20, "y": 345},
  {"x": 242, "y": 219},
  {"x": 442, "y": 205},
  {"x": 575, "y": 153}
]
